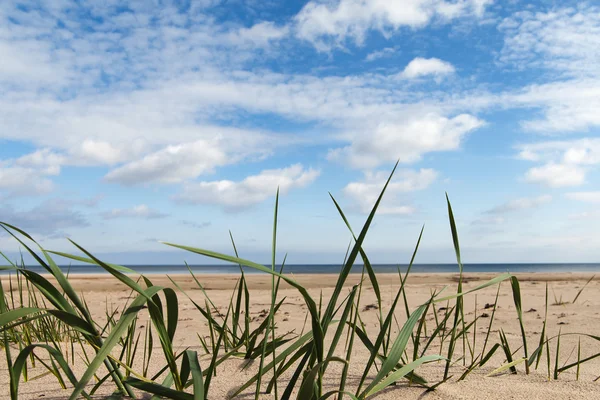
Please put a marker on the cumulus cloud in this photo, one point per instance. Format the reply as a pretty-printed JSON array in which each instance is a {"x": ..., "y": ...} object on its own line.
[
  {"x": 104, "y": 153},
  {"x": 171, "y": 81},
  {"x": 427, "y": 66},
  {"x": 566, "y": 162},
  {"x": 332, "y": 23},
  {"x": 406, "y": 141},
  {"x": 172, "y": 164},
  {"x": 141, "y": 211},
  {"x": 556, "y": 175},
  {"x": 252, "y": 190},
  {"x": 364, "y": 193},
  {"x": 30, "y": 174}
]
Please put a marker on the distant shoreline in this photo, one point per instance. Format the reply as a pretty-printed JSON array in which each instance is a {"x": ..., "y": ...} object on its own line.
[{"x": 324, "y": 269}]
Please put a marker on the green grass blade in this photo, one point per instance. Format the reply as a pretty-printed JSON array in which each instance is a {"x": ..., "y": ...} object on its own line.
[
  {"x": 198, "y": 383},
  {"x": 310, "y": 303},
  {"x": 158, "y": 390},
  {"x": 306, "y": 390},
  {"x": 399, "y": 374},
  {"x": 581, "y": 290},
  {"x": 517, "y": 300},
  {"x": 113, "y": 338},
  {"x": 396, "y": 350}
]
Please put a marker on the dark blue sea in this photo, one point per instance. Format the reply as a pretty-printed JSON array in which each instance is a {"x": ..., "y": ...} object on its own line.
[{"x": 333, "y": 269}]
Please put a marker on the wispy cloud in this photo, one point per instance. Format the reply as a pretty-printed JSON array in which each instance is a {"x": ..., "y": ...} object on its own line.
[
  {"x": 141, "y": 211},
  {"x": 563, "y": 44},
  {"x": 197, "y": 225},
  {"x": 50, "y": 218},
  {"x": 524, "y": 203},
  {"x": 383, "y": 53},
  {"x": 500, "y": 214},
  {"x": 586, "y": 197}
]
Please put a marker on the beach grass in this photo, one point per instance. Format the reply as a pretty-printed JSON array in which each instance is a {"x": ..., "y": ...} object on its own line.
[{"x": 44, "y": 314}]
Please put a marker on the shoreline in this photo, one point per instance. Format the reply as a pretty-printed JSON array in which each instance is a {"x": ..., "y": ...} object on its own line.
[{"x": 227, "y": 281}]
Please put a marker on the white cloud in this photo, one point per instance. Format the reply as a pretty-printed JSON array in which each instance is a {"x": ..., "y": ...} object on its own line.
[
  {"x": 565, "y": 44},
  {"x": 427, "y": 66},
  {"x": 587, "y": 197},
  {"x": 566, "y": 162},
  {"x": 173, "y": 164},
  {"x": 18, "y": 181},
  {"x": 116, "y": 93},
  {"x": 567, "y": 106},
  {"x": 250, "y": 191},
  {"x": 135, "y": 99},
  {"x": 141, "y": 211},
  {"x": 30, "y": 174},
  {"x": 566, "y": 40},
  {"x": 46, "y": 160},
  {"x": 259, "y": 35},
  {"x": 376, "y": 55},
  {"x": 406, "y": 141},
  {"x": 556, "y": 175},
  {"x": 524, "y": 203},
  {"x": 327, "y": 23},
  {"x": 104, "y": 153},
  {"x": 125, "y": 98},
  {"x": 364, "y": 194}
]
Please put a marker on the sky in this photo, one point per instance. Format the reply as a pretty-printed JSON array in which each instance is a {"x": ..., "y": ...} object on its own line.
[{"x": 127, "y": 123}]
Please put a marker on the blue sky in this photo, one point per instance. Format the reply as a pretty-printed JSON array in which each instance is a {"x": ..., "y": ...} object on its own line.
[{"x": 124, "y": 123}]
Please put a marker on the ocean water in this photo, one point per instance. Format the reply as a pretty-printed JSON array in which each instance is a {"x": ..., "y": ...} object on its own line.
[{"x": 335, "y": 268}]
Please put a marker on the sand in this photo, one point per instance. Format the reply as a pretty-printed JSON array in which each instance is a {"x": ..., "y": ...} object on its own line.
[{"x": 101, "y": 291}]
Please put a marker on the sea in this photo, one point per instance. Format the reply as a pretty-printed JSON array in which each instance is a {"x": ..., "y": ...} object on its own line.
[{"x": 335, "y": 268}]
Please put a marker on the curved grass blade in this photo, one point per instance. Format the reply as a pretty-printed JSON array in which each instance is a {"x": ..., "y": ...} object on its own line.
[
  {"x": 511, "y": 365},
  {"x": 113, "y": 338},
  {"x": 368, "y": 266},
  {"x": 396, "y": 350},
  {"x": 158, "y": 390},
  {"x": 306, "y": 390},
  {"x": 517, "y": 299},
  {"x": 399, "y": 374},
  {"x": 310, "y": 303},
  {"x": 388, "y": 319},
  {"x": 328, "y": 316},
  {"x": 21, "y": 360},
  {"x": 117, "y": 267}
]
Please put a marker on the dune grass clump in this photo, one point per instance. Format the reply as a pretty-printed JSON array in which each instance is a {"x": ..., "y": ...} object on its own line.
[{"x": 43, "y": 313}]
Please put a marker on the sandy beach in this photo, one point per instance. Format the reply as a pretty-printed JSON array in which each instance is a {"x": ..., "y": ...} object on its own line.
[{"x": 101, "y": 291}]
